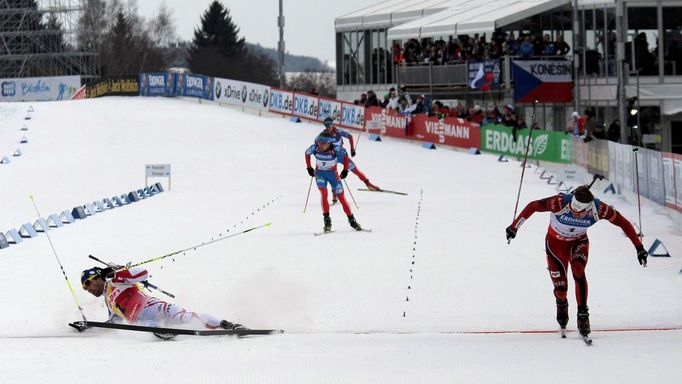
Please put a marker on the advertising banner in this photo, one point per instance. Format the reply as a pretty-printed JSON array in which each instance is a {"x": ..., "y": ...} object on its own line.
[
  {"x": 669, "y": 182},
  {"x": 655, "y": 179},
  {"x": 39, "y": 88},
  {"x": 329, "y": 108},
  {"x": 677, "y": 172},
  {"x": 580, "y": 152},
  {"x": 353, "y": 116},
  {"x": 157, "y": 84},
  {"x": 545, "y": 145},
  {"x": 548, "y": 81},
  {"x": 118, "y": 86},
  {"x": 241, "y": 94},
  {"x": 598, "y": 157},
  {"x": 305, "y": 106},
  {"x": 449, "y": 131},
  {"x": 281, "y": 101},
  {"x": 191, "y": 85},
  {"x": 484, "y": 75}
]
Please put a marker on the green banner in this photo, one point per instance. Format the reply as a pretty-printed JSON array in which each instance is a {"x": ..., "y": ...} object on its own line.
[{"x": 544, "y": 145}]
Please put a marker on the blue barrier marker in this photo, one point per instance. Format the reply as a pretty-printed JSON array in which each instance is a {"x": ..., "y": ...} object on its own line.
[
  {"x": 140, "y": 192},
  {"x": 3, "y": 242},
  {"x": 13, "y": 236},
  {"x": 53, "y": 221},
  {"x": 502, "y": 159},
  {"x": 374, "y": 137},
  {"x": 67, "y": 217},
  {"x": 41, "y": 225},
  {"x": 294, "y": 119},
  {"x": 133, "y": 197},
  {"x": 611, "y": 188},
  {"x": 79, "y": 213},
  {"x": 428, "y": 145},
  {"x": 100, "y": 207},
  {"x": 27, "y": 230},
  {"x": 474, "y": 151},
  {"x": 4, "y": 160},
  {"x": 89, "y": 209},
  {"x": 107, "y": 201},
  {"x": 159, "y": 187},
  {"x": 658, "y": 243}
]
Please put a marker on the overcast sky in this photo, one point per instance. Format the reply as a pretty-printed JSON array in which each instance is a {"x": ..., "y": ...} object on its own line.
[{"x": 309, "y": 28}]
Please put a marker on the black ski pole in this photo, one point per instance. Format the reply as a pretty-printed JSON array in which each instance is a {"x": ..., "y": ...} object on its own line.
[
  {"x": 639, "y": 203},
  {"x": 68, "y": 283},
  {"x": 194, "y": 247},
  {"x": 595, "y": 178},
  {"x": 147, "y": 284},
  {"x": 525, "y": 159}
]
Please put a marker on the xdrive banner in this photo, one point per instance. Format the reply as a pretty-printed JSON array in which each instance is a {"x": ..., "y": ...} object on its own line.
[
  {"x": 548, "y": 81},
  {"x": 544, "y": 145},
  {"x": 241, "y": 94},
  {"x": 39, "y": 88}
]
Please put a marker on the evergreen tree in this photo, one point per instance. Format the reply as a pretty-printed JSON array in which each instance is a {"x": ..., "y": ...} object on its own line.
[
  {"x": 218, "y": 32},
  {"x": 217, "y": 50}
]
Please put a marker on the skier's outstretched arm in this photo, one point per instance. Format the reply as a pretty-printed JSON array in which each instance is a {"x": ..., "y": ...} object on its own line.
[
  {"x": 609, "y": 213},
  {"x": 552, "y": 203}
]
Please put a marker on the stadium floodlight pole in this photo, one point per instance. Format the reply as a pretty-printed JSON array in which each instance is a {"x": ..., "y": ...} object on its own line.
[
  {"x": 280, "y": 44},
  {"x": 194, "y": 247},
  {"x": 525, "y": 159},
  {"x": 68, "y": 283},
  {"x": 305, "y": 207},
  {"x": 639, "y": 202},
  {"x": 147, "y": 284}
]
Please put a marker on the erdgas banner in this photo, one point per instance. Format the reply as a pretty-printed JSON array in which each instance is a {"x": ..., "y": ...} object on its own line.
[
  {"x": 39, "y": 88},
  {"x": 544, "y": 145},
  {"x": 242, "y": 94}
]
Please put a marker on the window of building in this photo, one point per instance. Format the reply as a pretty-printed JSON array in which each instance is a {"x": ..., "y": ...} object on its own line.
[
  {"x": 672, "y": 40},
  {"x": 642, "y": 45}
]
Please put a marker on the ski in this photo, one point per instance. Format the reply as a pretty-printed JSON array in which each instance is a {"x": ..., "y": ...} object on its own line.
[
  {"x": 333, "y": 231},
  {"x": 383, "y": 190},
  {"x": 161, "y": 332}
]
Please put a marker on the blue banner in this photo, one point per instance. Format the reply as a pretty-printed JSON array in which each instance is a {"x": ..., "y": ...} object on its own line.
[
  {"x": 157, "y": 84},
  {"x": 190, "y": 85}
]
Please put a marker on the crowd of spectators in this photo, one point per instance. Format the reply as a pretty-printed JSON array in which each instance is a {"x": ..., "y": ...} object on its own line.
[
  {"x": 402, "y": 102},
  {"x": 462, "y": 48}
]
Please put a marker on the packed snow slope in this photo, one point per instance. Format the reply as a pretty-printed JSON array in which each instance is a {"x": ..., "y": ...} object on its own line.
[{"x": 388, "y": 306}]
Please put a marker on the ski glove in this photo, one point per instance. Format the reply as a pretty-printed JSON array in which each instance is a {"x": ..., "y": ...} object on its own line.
[
  {"x": 352, "y": 152},
  {"x": 642, "y": 255},
  {"x": 344, "y": 173},
  {"x": 311, "y": 171},
  {"x": 511, "y": 233}
]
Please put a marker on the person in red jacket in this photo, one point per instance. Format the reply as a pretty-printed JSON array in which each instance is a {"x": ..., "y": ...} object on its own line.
[
  {"x": 125, "y": 300},
  {"x": 567, "y": 244}
]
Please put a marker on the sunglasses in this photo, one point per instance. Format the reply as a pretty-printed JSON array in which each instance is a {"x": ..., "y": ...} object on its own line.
[{"x": 87, "y": 282}]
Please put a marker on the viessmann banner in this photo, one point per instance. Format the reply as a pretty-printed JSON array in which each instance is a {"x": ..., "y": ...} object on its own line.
[
  {"x": 241, "y": 94},
  {"x": 544, "y": 145},
  {"x": 39, "y": 88}
]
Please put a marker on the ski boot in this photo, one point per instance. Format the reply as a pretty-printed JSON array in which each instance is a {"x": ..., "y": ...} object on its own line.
[
  {"x": 327, "y": 222},
  {"x": 353, "y": 223},
  {"x": 562, "y": 315},
  {"x": 583, "y": 320},
  {"x": 371, "y": 186},
  {"x": 224, "y": 324}
]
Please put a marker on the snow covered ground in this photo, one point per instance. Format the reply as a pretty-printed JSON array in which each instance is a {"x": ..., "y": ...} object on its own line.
[{"x": 342, "y": 298}]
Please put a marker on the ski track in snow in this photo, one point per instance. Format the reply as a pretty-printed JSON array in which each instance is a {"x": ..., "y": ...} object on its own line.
[{"x": 227, "y": 166}]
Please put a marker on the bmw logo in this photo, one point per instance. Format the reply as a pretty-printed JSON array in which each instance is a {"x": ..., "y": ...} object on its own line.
[
  {"x": 244, "y": 94},
  {"x": 218, "y": 89}
]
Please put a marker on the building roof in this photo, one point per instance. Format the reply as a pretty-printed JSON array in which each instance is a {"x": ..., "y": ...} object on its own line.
[
  {"x": 466, "y": 18},
  {"x": 390, "y": 13}
]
